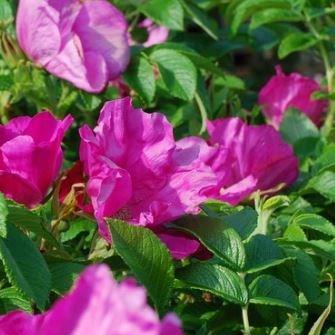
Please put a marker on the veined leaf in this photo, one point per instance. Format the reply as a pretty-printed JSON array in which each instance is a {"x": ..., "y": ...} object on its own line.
[
  {"x": 215, "y": 279},
  {"x": 147, "y": 257}
]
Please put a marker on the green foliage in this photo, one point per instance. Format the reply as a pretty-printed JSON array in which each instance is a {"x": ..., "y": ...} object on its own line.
[
  {"x": 219, "y": 238},
  {"x": 265, "y": 262},
  {"x": 168, "y": 13},
  {"x": 178, "y": 73},
  {"x": 215, "y": 279},
  {"x": 25, "y": 268},
  {"x": 268, "y": 290},
  {"x": 147, "y": 257}
]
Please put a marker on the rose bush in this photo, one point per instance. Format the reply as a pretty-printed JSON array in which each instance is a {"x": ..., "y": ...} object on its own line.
[{"x": 150, "y": 139}]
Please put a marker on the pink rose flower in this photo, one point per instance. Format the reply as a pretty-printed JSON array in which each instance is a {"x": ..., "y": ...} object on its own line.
[
  {"x": 31, "y": 156},
  {"x": 138, "y": 172},
  {"x": 82, "y": 41},
  {"x": 249, "y": 158},
  {"x": 96, "y": 305},
  {"x": 291, "y": 91},
  {"x": 156, "y": 34}
]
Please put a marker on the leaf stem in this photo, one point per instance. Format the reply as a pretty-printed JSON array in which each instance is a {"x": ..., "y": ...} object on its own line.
[
  {"x": 203, "y": 113},
  {"x": 245, "y": 318},
  {"x": 326, "y": 129}
]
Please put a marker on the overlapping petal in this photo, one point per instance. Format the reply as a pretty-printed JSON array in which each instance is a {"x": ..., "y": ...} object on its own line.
[
  {"x": 291, "y": 91},
  {"x": 137, "y": 171},
  {"x": 84, "y": 42},
  {"x": 31, "y": 156},
  {"x": 250, "y": 158}
]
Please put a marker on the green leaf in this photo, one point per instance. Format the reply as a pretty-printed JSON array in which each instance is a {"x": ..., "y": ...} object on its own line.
[
  {"x": 63, "y": 275},
  {"x": 6, "y": 82},
  {"x": 324, "y": 184},
  {"x": 25, "y": 219},
  {"x": 77, "y": 227},
  {"x": 305, "y": 273},
  {"x": 294, "y": 233},
  {"x": 140, "y": 77},
  {"x": 215, "y": 279},
  {"x": 147, "y": 257},
  {"x": 219, "y": 238},
  {"x": 297, "y": 126},
  {"x": 25, "y": 267},
  {"x": 295, "y": 42},
  {"x": 200, "y": 18},
  {"x": 227, "y": 80},
  {"x": 315, "y": 222},
  {"x": 262, "y": 253},
  {"x": 327, "y": 159},
  {"x": 274, "y": 15},
  {"x": 11, "y": 299},
  {"x": 6, "y": 13},
  {"x": 275, "y": 202},
  {"x": 178, "y": 72},
  {"x": 168, "y": 13},
  {"x": 3, "y": 216},
  {"x": 268, "y": 290},
  {"x": 318, "y": 325},
  {"x": 321, "y": 248},
  {"x": 244, "y": 221},
  {"x": 247, "y": 8}
]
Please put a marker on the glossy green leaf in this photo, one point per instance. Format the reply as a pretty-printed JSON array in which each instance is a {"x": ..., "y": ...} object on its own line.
[
  {"x": 268, "y": 290},
  {"x": 218, "y": 237},
  {"x": 168, "y": 13},
  {"x": 11, "y": 299},
  {"x": 315, "y": 222},
  {"x": 140, "y": 77},
  {"x": 262, "y": 253},
  {"x": 177, "y": 71},
  {"x": 147, "y": 257},
  {"x": 63, "y": 275},
  {"x": 274, "y": 15},
  {"x": 25, "y": 267},
  {"x": 215, "y": 279},
  {"x": 295, "y": 42}
]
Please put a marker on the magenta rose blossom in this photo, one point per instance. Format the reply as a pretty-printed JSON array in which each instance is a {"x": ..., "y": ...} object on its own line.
[
  {"x": 249, "y": 158},
  {"x": 156, "y": 34},
  {"x": 291, "y": 91},
  {"x": 31, "y": 156},
  {"x": 82, "y": 41},
  {"x": 138, "y": 172},
  {"x": 96, "y": 305}
]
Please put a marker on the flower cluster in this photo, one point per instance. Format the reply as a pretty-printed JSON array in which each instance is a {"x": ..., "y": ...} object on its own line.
[{"x": 96, "y": 305}]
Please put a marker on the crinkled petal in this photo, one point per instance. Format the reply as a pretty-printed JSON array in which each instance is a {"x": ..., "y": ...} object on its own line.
[
  {"x": 291, "y": 91},
  {"x": 101, "y": 35}
]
